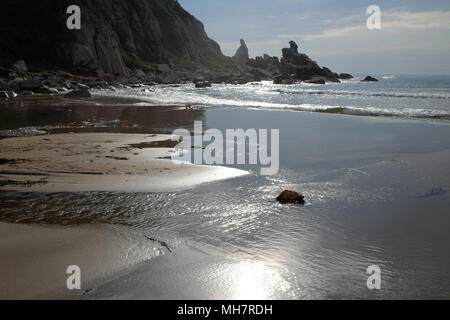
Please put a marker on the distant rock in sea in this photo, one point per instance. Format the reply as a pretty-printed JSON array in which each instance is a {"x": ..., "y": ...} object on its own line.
[
  {"x": 293, "y": 67},
  {"x": 369, "y": 79},
  {"x": 345, "y": 76}
]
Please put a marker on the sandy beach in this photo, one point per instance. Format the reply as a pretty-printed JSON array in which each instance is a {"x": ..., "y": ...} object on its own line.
[
  {"x": 96, "y": 188},
  {"x": 311, "y": 161},
  {"x": 35, "y": 258},
  {"x": 99, "y": 162},
  {"x": 79, "y": 157}
]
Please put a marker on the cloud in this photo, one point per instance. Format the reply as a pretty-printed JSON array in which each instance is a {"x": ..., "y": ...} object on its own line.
[
  {"x": 372, "y": 50},
  {"x": 403, "y": 33},
  {"x": 390, "y": 21}
]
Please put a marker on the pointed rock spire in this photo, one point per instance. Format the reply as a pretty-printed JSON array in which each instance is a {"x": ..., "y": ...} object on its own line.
[{"x": 241, "y": 57}]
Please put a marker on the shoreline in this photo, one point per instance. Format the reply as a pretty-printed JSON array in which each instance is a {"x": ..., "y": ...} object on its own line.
[{"x": 104, "y": 98}]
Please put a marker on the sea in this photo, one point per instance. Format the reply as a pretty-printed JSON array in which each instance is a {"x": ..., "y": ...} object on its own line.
[{"x": 411, "y": 97}]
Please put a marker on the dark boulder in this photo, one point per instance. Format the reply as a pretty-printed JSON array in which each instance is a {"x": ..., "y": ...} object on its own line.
[
  {"x": 285, "y": 79},
  {"x": 26, "y": 93},
  {"x": 202, "y": 84},
  {"x": 288, "y": 196},
  {"x": 46, "y": 90},
  {"x": 4, "y": 85},
  {"x": 369, "y": 79},
  {"x": 345, "y": 76},
  {"x": 84, "y": 93},
  {"x": 316, "y": 81},
  {"x": 31, "y": 85},
  {"x": 4, "y": 95},
  {"x": 20, "y": 66}
]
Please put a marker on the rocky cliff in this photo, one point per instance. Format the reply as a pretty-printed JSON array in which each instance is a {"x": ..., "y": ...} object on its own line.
[
  {"x": 116, "y": 37},
  {"x": 130, "y": 42}
]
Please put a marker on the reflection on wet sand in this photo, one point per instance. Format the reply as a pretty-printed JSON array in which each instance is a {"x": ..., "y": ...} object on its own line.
[{"x": 110, "y": 113}]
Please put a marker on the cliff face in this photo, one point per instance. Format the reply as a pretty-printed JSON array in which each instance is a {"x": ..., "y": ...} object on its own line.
[{"x": 116, "y": 35}]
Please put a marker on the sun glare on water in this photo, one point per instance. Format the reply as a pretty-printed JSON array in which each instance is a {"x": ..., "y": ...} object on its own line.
[{"x": 254, "y": 281}]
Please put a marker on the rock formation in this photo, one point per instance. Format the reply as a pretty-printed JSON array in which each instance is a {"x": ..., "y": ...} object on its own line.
[
  {"x": 298, "y": 66},
  {"x": 202, "y": 84},
  {"x": 116, "y": 36},
  {"x": 83, "y": 93},
  {"x": 369, "y": 79},
  {"x": 293, "y": 67},
  {"x": 4, "y": 95},
  {"x": 241, "y": 57},
  {"x": 288, "y": 196},
  {"x": 345, "y": 76},
  {"x": 128, "y": 42}
]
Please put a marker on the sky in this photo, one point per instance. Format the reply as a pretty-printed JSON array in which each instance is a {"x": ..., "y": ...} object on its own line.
[{"x": 414, "y": 37}]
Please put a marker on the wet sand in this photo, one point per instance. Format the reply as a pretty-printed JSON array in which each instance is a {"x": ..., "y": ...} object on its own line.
[
  {"x": 99, "y": 162},
  {"x": 98, "y": 144},
  {"x": 51, "y": 114},
  {"x": 34, "y": 259},
  {"x": 371, "y": 183}
]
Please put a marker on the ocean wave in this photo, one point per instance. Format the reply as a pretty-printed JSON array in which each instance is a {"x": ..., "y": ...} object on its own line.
[
  {"x": 364, "y": 94},
  {"x": 183, "y": 95},
  {"x": 22, "y": 132}
]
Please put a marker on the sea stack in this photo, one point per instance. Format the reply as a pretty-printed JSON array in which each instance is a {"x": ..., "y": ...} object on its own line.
[
  {"x": 241, "y": 57},
  {"x": 369, "y": 79}
]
